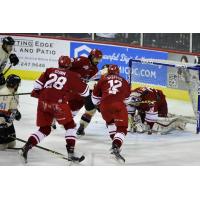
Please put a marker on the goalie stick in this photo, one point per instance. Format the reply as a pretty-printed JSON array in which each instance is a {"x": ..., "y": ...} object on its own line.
[{"x": 140, "y": 102}]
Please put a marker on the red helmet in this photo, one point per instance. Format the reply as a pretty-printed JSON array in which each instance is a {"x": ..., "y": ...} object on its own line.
[
  {"x": 64, "y": 62},
  {"x": 113, "y": 69},
  {"x": 95, "y": 53}
]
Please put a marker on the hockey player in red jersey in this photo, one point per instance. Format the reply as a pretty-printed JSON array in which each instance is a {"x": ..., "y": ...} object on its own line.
[
  {"x": 87, "y": 68},
  {"x": 90, "y": 109},
  {"x": 52, "y": 90},
  {"x": 150, "y": 103},
  {"x": 110, "y": 93}
]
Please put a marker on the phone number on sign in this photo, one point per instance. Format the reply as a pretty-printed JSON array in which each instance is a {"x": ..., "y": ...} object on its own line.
[{"x": 32, "y": 64}]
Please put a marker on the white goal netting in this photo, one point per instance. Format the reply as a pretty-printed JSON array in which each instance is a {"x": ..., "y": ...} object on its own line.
[{"x": 183, "y": 76}]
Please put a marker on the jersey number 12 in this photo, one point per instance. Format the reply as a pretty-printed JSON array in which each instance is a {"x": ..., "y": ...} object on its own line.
[{"x": 114, "y": 85}]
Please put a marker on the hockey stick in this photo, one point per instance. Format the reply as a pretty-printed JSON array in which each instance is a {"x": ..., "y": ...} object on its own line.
[
  {"x": 14, "y": 148},
  {"x": 60, "y": 155},
  {"x": 17, "y": 94},
  {"x": 7, "y": 69},
  {"x": 140, "y": 102},
  {"x": 166, "y": 125}
]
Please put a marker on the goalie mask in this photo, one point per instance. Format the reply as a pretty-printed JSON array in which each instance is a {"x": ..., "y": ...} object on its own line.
[{"x": 135, "y": 98}]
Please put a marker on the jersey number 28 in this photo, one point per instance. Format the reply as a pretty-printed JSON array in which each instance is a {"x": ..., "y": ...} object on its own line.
[
  {"x": 114, "y": 85},
  {"x": 56, "y": 82}
]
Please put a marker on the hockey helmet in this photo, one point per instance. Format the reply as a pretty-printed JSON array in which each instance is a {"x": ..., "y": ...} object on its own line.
[
  {"x": 8, "y": 41},
  {"x": 95, "y": 53},
  {"x": 13, "y": 80},
  {"x": 113, "y": 69},
  {"x": 64, "y": 62}
]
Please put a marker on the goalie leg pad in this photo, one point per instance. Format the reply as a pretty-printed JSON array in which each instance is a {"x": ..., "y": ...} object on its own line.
[{"x": 166, "y": 124}]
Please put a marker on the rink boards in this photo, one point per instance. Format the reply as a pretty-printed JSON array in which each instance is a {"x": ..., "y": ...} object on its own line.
[
  {"x": 38, "y": 53},
  {"x": 169, "y": 92}
]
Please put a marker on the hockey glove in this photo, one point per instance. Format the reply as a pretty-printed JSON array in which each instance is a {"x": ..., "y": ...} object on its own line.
[
  {"x": 9, "y": 119},
  {"x": 18, "y": 115},
  {"x": 35, "y": 93},
  {"x": 14, "y": 59}
]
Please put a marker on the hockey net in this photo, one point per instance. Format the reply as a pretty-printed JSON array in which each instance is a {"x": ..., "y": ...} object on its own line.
[{"x": 185, "y": 76}]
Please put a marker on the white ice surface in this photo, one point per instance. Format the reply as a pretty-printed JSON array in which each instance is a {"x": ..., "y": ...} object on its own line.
[{"x": 179, "y": 148}]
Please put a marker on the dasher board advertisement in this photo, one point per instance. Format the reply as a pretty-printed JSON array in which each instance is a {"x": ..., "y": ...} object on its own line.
[
  {"x": 121, "y": 55},
  {"x": 37, "y": 54}
]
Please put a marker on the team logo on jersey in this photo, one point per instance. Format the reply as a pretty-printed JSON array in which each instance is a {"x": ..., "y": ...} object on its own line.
[{"x": 83, "y": 50}]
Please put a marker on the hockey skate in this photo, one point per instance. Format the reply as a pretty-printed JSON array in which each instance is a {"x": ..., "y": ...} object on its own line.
[
  {"x": 116, "y": 152},
  {"x": 23, "y": 152},
  {"x": 80, "y": 130},
  {"x": 72, "y": 157}
]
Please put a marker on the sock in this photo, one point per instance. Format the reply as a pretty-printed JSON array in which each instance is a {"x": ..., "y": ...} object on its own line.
[
  {"x": 36, "y": 138},
  {"x": 70, "y": 137},
  {"x": 112, "y": 130},
  {"x": 118, "y": 139}
]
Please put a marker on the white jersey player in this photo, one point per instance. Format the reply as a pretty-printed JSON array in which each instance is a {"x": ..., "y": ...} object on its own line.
[
  {"x": 9, "y": 111},
  {"x": 5, "y": 55}
]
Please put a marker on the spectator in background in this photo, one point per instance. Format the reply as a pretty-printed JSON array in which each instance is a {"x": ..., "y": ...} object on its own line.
[
  {"x": 197, "y": 60},
  {"x": 79, "y": 35},
  {"x": 70, "y": 35},
  {"x": 113, "y": 37},
  {"x": 184, "y": 73},
  {"x": 184, "y": 59},
  {"x": 105, "y": 36}
]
